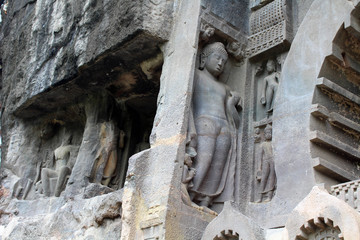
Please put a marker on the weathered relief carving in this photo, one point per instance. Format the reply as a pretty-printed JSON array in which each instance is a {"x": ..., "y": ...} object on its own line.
[
  {"x": 269, "y": 27},
  {"x": 206, "y": 32},
  {"x": 186, "y": 182},
  {"x": 110, "y": 167},
  {"x": 53, "y": 180},
  {"x": 47, "y": 131},
  {"x": 266, "y": 173},
  {"x": 236, "y": 50},
  {"x": 22, "y": 188},
  {"x": 111, "y": 139},
  {"x": 269, "y": 87},
  {"x": 187, "y": 177},
  {"x": 152, "y": 225},
  {"x": 212, "y": 134},
  {"x": 257, "y": 135}
]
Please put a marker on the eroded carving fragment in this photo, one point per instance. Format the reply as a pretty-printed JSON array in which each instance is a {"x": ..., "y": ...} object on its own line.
[
  {"x": 206, "y": 32},
  {"x": 54, "y": 180}
]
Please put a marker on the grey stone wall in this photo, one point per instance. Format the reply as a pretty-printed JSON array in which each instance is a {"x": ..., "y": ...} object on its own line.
[
  {"x": 59, "y": 53},
  {"x": 74, "y": 68}
]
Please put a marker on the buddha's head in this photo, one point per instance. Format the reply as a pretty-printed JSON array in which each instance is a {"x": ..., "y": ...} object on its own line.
[
  {"x": 270, "y": 66},
  {"x": 213, "y": 58}
]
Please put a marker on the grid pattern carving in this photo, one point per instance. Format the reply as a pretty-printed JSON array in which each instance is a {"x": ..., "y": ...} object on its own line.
[{"x": 267, "y": 27}]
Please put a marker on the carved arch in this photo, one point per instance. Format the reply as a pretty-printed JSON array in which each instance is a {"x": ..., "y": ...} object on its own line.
[
  {"x": 320, "y": 214},
  {"x": 227, "y": 235},
  {"x": 335, "y": 114},
  {"x": 231, "y": 224},
  {"x": 318, "y": 229}
]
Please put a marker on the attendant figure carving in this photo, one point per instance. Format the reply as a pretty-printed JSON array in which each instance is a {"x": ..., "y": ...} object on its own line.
[
  {"x": 187, "y": 177},
  {"x": 270, "y": 86},
  {"x": 215, "y": 119},
  {"x": 266, "y": 174},
  {"x": 206, "y": 32},
  {"x": 235, "y": 49},
  {"x": 257, "y": 135}
]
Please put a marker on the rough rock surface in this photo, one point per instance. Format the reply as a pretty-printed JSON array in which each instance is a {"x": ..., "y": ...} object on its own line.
[
  {"x": 52, "y": 50},
  {"x": 59, "y": 218},
  {"x": 73, "y": 68},
  {"x": 110, "y": 84}
]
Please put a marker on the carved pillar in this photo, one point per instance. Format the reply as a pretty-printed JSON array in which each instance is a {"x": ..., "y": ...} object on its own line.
[{"x": 152, "y": 199}]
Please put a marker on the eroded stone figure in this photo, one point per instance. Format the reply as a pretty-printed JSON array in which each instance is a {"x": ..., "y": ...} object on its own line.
[
  {"x": 22, "y": 188},
  {"x": 270, "y": 86},
  {"x": 235, "y": 49},
  {"x": 257, "y": 135},
  {"x": 266, "y": 174},
  {"x": 187, "y": 177},
  {"x": 216, "y": 119},
  {"x": 62, "y": 169},
  {"x": 110, "y": 165},
  {"x": 186, "y": 182},
  {"x": 207, "y": 32},
  {"x": 111, "y": 139}
]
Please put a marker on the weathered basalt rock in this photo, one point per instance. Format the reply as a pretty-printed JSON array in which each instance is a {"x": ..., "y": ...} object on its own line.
[
  {"x": 95, "y": 218},
  {"x": 141, "y": 119},
  {"x": 90, "y": 68}
]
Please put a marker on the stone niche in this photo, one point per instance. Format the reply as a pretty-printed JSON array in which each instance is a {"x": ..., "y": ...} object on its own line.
[
  {"x": 253, "y": 182},
  {"x": 313, "y": 126},
  {"x": 81, "y": 81},
  {"x": 106, "y": 124},
  {"x": 80, "y": 74},
  {"x": 225, "y": 32},
  {"x": 251, "y": 175},
  {"x": 299, "y": 114}
]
